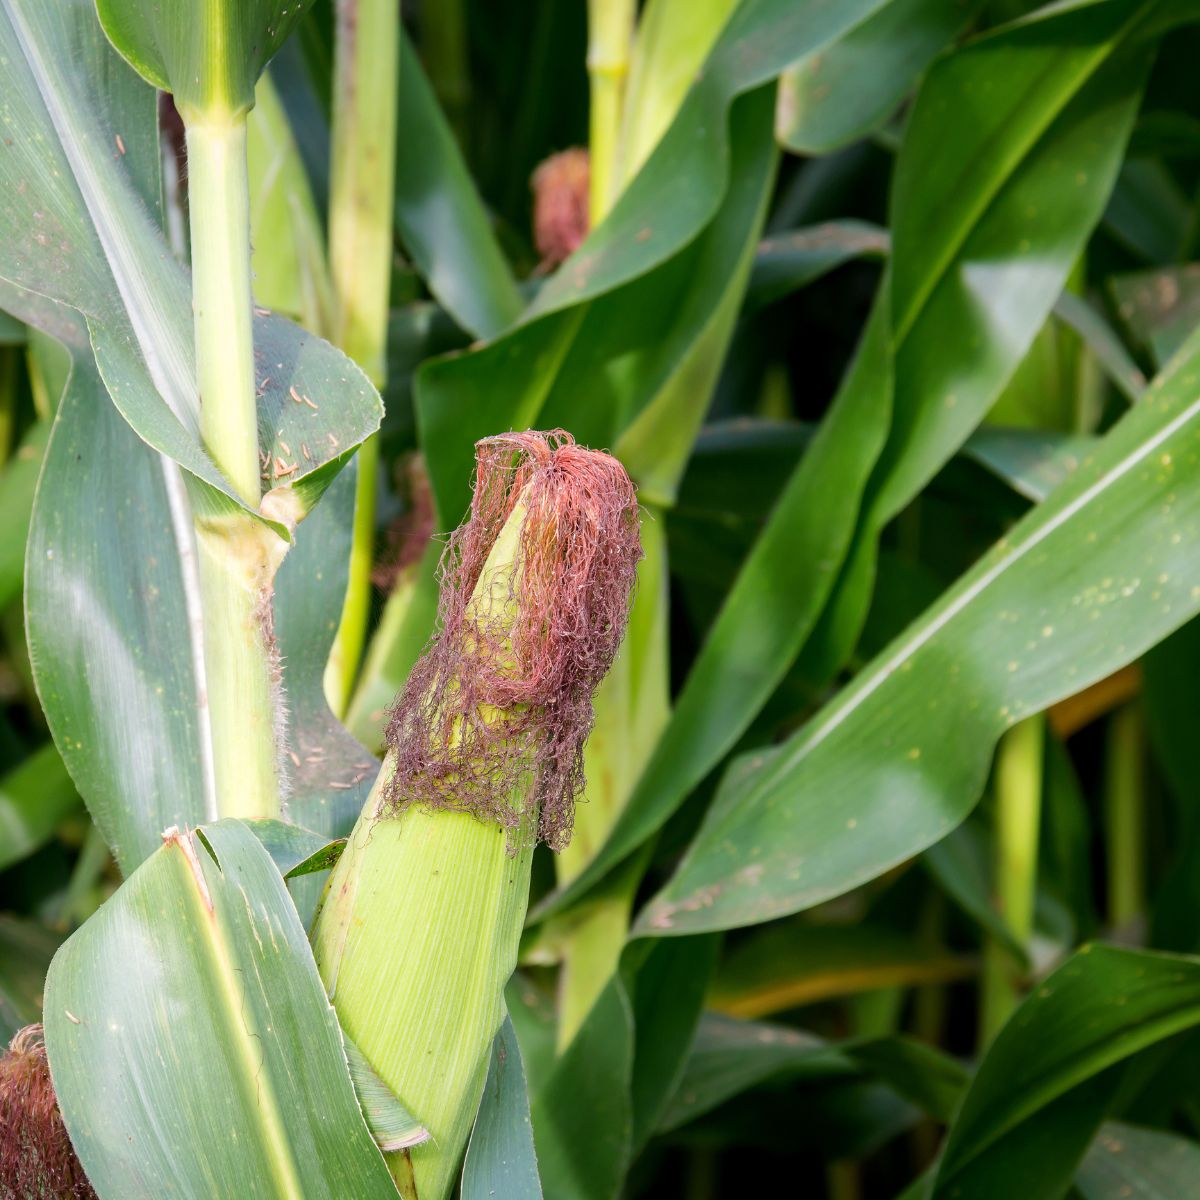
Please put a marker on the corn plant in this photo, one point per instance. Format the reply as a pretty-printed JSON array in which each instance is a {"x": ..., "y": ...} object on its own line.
[{"x": 599, "y": 599}]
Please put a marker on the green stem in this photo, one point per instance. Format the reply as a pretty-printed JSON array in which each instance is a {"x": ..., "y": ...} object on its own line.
[
  {"x": 1018, "y": 785},
  {"x": 219, "y": 203},
  {"x": 360, "y": 250},
  {"x": 1124, "y": 800},
  {"x": 237, "y": 556},
  {"x": 610, "y": 33},
  {"x": 341, "y": 671}
]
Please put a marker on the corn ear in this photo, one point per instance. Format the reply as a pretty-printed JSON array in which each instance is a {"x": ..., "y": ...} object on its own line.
[{"x": 419, "y": 928}]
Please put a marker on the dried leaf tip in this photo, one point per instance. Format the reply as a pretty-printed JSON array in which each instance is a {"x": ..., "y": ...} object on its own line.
[
  {"x": 535, "y": 593},
  {"x": 37, "y": 1159}
]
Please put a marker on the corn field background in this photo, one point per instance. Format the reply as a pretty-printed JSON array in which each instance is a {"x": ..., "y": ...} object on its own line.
[{"x": 885, "y": 877}]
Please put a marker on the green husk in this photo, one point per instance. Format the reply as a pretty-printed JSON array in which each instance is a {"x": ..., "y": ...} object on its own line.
[
  {"x": 420, "y": 924},
  {"x": 416, "y": 939}
]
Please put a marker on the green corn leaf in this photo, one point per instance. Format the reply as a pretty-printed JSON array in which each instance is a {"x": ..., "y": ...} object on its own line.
[
  {"x": 661, "y": 427},
  {"x": 18, "y": 481},
  {"x": 290, "y": 272},
  {"x": 933, "y": 1081},
  {"x": 786, "y": 262},
  {"x": 440, "y": 216},
  {"x": 209, "y": 54},
  {"x": 1031, "y": 462},
  {"x": 81, "y": 177},
  {"x": 34, "y": 798},
  {"x": 193, "y": 1049},
  {"x": 1160, "y": 308},
  {"x": 320, "y": 860},
  {"x": 729, "y": 1056},
  {"x": 582, "y": 1114},
  {"x": 289, "y": 846},
  {"x": 829, "y": 99},
  {"x": 790, "y": 965},
  {"x": 817, "y": 817},
  {"x": 667, "y": 991},
  {"x": 1043, "y": 1086},
  {"x": 26, "y": 948},
  {"x": 1149, "y": 212},
  {"x": 916, "y": 389},
  {"x": 110, "y": 638},
  {"x": 501, "y": 1159},
  {"x": 329, "y": 773},
  {"x": 672, "y": 199},
  {"x": 1128, "y": 1163},
  {"x": 1102, "y": 340}
]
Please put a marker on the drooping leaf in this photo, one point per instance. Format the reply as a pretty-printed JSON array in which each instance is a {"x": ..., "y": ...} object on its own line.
[
  {"x": 440, "y": 216},
  {"x": 190, "y": 1007},
  {"x": 501, "y": 1159},
  {"x": 1042, "y": 1088},
  {"x": 817, "y": 818}
]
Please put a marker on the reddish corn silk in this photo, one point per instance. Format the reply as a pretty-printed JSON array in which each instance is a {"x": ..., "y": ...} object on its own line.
[
  {"x": 494, "y": 716},
  {"x": 560, "y": 206},
  {"x": 37, "y": 1160}
]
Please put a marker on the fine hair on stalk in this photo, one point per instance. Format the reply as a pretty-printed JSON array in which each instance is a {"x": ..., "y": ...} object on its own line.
[{"x": 494, "y": 715}]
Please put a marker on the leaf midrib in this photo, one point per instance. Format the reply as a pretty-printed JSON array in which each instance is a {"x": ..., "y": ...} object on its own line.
[
  {"x": 255, "y": 1078},
  {"x": 1046, "y": 115}
]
